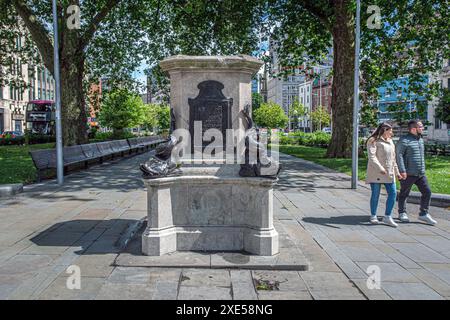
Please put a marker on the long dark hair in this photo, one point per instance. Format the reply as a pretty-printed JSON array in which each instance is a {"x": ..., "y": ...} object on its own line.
[{"x": 382, "y": 128}]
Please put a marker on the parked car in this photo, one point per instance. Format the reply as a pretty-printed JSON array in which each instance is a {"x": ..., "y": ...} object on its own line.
[
  {"x": 326, "y": 130},
  {"x": 11, "y": 134}
]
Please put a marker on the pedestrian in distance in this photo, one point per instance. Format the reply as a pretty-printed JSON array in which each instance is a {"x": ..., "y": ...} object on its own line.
[
  {"x": 382, "y": 169},
  {"x": 411, "y": 163}
]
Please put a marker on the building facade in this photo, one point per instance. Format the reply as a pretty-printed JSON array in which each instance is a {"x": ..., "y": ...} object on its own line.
[
  {"x": 305, "y": 97},
  {"x": 310, "y": 85},
  {"x": 14, "y": 98}
]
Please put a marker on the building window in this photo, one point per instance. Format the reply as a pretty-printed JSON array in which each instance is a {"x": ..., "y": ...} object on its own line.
[
  {"x": 388, "y": 93},
  {"x": 437, "y": 123},
  {"x": 399, "y": 92}
]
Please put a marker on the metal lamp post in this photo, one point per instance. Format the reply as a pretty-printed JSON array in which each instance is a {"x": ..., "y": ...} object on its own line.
[
  {"x": 356, "y": 100},
  {"x": 59, "y": 145}
]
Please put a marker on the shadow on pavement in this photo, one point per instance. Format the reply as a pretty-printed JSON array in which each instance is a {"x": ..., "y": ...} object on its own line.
[
  {"x": 91, "y": 236},
  {"x": 334, "y": 222}
]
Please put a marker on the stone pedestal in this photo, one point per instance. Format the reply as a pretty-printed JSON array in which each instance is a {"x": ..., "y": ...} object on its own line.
[
  {"x": 210, "y": 208},
  {"x": 187, "y": 72}
]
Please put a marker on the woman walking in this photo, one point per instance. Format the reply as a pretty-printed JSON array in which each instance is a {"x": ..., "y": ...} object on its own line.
[{"x": 382, "y": 169}]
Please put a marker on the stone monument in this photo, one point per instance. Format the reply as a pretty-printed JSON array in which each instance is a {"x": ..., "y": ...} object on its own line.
[{"x": 208, "y": 205}]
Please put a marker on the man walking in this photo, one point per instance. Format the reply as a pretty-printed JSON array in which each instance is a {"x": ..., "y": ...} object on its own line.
[{"x": 411, "y": 164}]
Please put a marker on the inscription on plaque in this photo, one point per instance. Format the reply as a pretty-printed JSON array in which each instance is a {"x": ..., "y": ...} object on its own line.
[{"x": 212, "y": 108}]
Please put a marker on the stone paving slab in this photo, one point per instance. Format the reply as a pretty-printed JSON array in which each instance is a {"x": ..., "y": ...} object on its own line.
[
  {"x": 410, "y": 291},
  {"x": 420, "y": 253},
  {"x": 390, "y": 272},
  {"x": 204, "y": 293},
  {"x": 243, "y": 286},
  {"x": 116, "y": 291},
  {"x": 58, "y": 290}
]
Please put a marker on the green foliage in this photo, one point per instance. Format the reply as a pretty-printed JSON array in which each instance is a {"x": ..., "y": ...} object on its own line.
[
  {"x": 109, "y": 135},
  {"x": 270, "y": 115},
  {"x": 297, "y": 111},
  {"x": 368, "y": 115},
  {"x": 28, "y": 138},
  {"x": 411, "y": 41},
  {"x": 402, "y": 114},
  {"x": 163, "y": 116},
  {"x": 157, "y": 116},
  {"x": 257, "y": 100},
  {"x": 9, "y": 140},
  {"x": 442, "y": 110},
  {"x": 150, "y": 117},
  {"x": 315, "y": 139},
  {"x": 320, "y": 117},
  {"x": 121, "y": 109}
]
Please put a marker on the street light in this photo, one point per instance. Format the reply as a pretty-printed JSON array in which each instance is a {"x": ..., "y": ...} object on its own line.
[
  {"x": 59, "y": 150},
  {"x": 356, "y": 100}
]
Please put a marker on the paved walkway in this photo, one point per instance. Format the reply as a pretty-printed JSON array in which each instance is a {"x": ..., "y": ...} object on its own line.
[{"x": 47, "y": 229}]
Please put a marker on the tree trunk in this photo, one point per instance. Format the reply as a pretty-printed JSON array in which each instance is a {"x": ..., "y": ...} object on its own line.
[
  {"x": 342, "y": 89},
  {"x": 73, "y": 110}
]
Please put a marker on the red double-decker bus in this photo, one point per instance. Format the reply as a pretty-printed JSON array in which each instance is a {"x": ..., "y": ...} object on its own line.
[{"x": 40, "y": 117}]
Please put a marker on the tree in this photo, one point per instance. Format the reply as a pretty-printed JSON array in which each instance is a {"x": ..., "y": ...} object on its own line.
[
  {"x": 368, "y": 115},
  {"x": 410, "y": 40},
  {"x": 257, "y": 100},
  {"x": 442, "y": 110},
  {"x": 163, "y": 116},
  {"x": 122, "y": 109},
  {"x": 297, "y": 111},
  {"x": 150, "y": 116},
  {"x": 320, "y": 117},
  {"x": 270, "y": 115},
  {"x": 115, "y": 37},
  {"x": 157, "y": 116}
]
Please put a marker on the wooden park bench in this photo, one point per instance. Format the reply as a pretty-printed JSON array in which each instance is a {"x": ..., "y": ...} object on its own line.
[{"x": 45, "y": 159}]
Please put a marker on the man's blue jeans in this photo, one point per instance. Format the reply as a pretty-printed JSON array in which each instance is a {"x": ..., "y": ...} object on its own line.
[{"x": 390, "y": 202}]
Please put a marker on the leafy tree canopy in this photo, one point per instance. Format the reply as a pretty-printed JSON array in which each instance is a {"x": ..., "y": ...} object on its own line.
[
  {"x": 122, "y": 109},
  {"x": 270, "y": 115}
]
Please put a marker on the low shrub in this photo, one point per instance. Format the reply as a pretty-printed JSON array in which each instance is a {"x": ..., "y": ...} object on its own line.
[
  {"x": 316, "y": 139},
  {"x": 104, "y": 136},
  {"x": 9, "y": 140}
]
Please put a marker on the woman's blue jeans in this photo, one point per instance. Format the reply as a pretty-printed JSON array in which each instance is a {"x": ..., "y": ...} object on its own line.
[{"x": 390, "y": 202}]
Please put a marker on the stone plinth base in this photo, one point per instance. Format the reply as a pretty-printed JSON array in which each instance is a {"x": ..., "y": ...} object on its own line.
[{"x": 210, "y": 208}]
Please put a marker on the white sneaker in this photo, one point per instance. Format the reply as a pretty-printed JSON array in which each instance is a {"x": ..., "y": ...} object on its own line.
[
  {"x": 428, "y": 219},
  {"x": 374, "y": 220},
  {"x": 389, "y": 221},
  {"x": 403, "y": 217}
]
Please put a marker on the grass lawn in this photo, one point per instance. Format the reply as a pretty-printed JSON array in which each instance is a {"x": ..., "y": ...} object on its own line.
[
  {"x": 16, "y": 165},
  {"x": 437, "y": 167}
]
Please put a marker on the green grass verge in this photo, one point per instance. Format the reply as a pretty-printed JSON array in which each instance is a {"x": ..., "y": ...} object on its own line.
[
  {"x": 438, "y": 167},
  {"x": 16, "y": 165}
]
